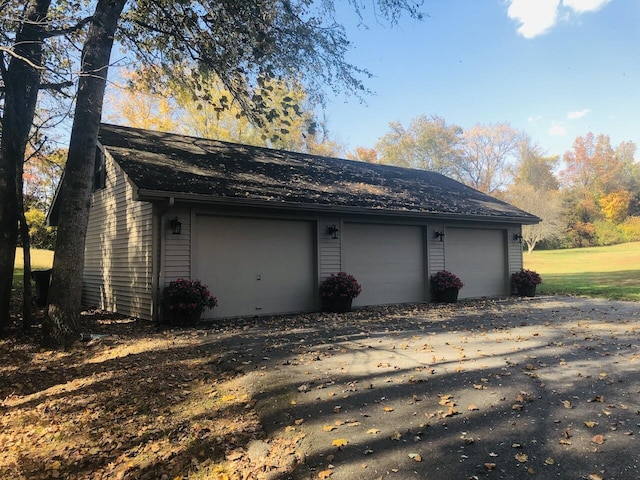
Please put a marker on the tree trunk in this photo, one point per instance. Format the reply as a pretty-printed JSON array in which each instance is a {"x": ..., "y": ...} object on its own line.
[
  {"x": 22, "y": 82},
  {"x": 27, "y": 317},
  {"x": 61, "y": 324}
]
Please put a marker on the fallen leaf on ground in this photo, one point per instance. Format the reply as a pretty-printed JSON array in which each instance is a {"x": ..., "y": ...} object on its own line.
[
  {"x": 591, "y": 424},
  {"x": 598, "y": 439},
  {"x": 340, "y": 442},
  {"x": 415, "y": 456},
  {"x": 521, "y": 457},
  {"x": 325, "y": 474},
  {"x": 328, "y": 428},
  {"x": 450, "y": 413}
]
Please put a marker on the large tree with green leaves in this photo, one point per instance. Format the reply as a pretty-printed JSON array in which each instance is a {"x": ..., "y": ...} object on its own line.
[
  {"x": 428, "y": 143},
  {"x": 245, "y": 44}
]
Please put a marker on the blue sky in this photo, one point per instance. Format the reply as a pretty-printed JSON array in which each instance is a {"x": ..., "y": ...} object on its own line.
[{"x": 555, "y": 69}]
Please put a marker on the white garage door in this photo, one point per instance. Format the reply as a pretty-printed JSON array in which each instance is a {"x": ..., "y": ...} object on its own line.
[
  {"x": 387, "y": 260},
  {"x": 255, "y": 266},
  {"x": 478, "y": 257}
]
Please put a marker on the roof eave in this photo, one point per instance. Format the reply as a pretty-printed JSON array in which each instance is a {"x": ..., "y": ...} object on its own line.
[{"x": 158, "y": 195}]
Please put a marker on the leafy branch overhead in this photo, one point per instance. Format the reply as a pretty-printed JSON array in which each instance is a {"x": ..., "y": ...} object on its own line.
[{"x": 247, "y": 44}]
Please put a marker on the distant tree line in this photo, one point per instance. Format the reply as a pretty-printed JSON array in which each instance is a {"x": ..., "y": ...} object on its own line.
[{"x": 590, "y": 197}]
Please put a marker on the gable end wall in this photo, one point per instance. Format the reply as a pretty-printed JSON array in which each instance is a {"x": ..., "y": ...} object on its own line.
[{"x": 118, "y": 250}]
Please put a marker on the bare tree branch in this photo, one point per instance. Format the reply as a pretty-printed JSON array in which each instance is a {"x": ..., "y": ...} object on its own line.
[
  {"x": 65, "y": 31},
  {"x": 20, "y": 57},
  {"x": 49, "y": 86}
]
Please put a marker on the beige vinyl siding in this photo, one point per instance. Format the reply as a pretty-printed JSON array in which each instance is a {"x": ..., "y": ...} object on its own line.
[
  {"x": 119, "y": 249},
  {"x": 514, "y": 251},
  {"x": 329, "y": 249},
  {"x": 177, "y": 248},
  {"x": 436, "y": 248}
]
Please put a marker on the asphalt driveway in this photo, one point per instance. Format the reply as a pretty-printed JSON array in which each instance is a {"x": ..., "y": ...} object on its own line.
[{"x": 511, "y": 388}]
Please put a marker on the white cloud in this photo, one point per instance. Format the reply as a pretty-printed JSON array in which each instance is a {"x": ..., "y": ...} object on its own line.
[
  {"x": 577, "y": 114},
  {"x": 534, "y": 119},
  {"x": 582, "y": 6},
  {"x": 557, "y": 129},
  {"x": 535, "y": 17}
]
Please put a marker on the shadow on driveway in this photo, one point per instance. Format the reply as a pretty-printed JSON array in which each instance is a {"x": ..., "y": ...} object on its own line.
[{"x": 505, "y": 388}]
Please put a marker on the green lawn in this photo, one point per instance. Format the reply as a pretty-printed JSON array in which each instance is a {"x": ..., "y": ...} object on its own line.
[
  {"x": 608, "y": 272},
  {"x": 40, "y": 260}
]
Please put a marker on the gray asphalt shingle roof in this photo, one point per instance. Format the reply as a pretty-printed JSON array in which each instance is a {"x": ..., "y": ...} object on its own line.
[{"x": 209, "y": 170}]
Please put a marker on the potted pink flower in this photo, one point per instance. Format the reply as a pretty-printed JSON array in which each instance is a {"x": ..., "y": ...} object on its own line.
[
  {"x": 525, "y": 282},
  {"x": 184, "y": 301},
  {"x": 338, "y": 291},
  {"x": 445, "y": 286}
]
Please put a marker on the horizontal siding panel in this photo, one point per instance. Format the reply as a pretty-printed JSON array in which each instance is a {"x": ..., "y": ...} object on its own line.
[
  {"x": 119, "y": 247},
  {"x": 177, "y": 252},
  {"x": 330, "y": 251},
  {"x": 436, "y": 249}
]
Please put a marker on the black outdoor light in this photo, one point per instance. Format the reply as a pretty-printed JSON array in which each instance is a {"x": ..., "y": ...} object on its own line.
[
  {"x": 439, "y": 235},
  {"x": 517, "y": 237},
  {"x": 333, "y": 231},
  {"x": 176, "y": 226}
]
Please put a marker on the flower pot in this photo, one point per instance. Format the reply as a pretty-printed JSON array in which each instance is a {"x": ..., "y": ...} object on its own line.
[
  {"x": 448, "y": 295},
  {"x": 183, "y": 318},
  {"x": 338, "y": 305},
  {"x": 527, "y": 290}
]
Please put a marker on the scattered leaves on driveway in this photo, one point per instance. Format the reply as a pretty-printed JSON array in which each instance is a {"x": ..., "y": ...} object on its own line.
[{"x": 506, "y": 388}]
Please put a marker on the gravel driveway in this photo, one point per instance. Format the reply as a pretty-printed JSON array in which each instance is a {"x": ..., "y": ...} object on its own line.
[{"x": 510, "y": 388}]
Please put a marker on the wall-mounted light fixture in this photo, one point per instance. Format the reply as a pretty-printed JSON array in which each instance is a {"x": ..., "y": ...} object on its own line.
[
  {"x": 439, "y": 234},
  {"x": 333, "y": 231},
  {"x": 175, "y": 225},
  {"x": 517, "y": 237}
]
